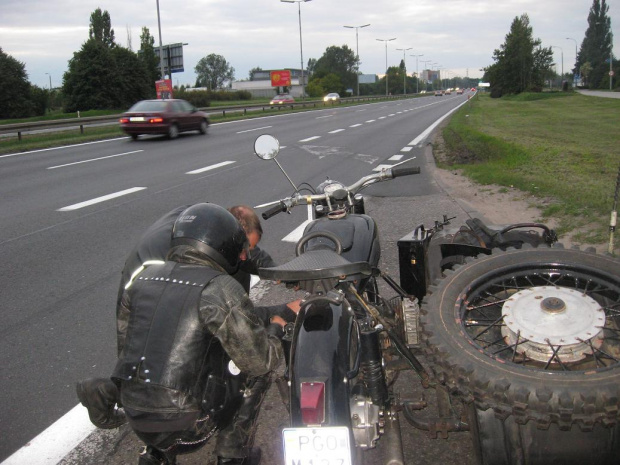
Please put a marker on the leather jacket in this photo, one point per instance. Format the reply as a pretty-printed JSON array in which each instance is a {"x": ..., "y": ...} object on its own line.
[{"x": 178, "y": 362}]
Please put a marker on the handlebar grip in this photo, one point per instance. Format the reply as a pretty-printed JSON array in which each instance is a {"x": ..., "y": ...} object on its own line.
[
  {"x": 273, "y": 211},
  {"x": 396, "y": 172}
]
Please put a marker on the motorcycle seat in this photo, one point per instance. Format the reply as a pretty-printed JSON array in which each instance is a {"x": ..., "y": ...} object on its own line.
[{"x": 315, "y": 264}]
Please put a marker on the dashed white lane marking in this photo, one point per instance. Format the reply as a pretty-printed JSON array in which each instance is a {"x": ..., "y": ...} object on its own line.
[
  {"x": 255, "y": 129},
  {"x": 392, "y": 114},
  {"x": 209, "y": 168},
  {"x": 55, "y": 442},
  {"x": 355, "y": 125},
  {"x": 335, "y": 131},
  {"x": 326, "y": 116},
  {"x": 395, "y": 157},
  {"x": 296, "y": 233},
  {"x": 310, "y": 138},
  {"x": 93, "y": 159},
  {"x": 381, "y": 167},
  {"x": 371, "y": 120},
  {"x": 382, "y": 117},
  {"x": 103, "y": 198},
  {"x": 406, "y": 149}
]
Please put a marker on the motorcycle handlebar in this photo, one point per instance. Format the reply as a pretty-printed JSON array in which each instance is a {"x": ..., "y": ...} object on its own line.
[
  {"x": 396, "y": 172},
  {"x": 273, "y": 211}
]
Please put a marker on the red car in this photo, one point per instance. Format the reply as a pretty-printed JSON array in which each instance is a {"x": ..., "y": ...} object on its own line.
[
  {"x": 282, "y": 99},
  {"x": 169, "y": 117}
]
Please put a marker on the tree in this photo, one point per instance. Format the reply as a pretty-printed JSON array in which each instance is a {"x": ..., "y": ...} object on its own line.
[
  {"x": 213, "y": 70},
  {"x": 596, "y": 46},
  {"x": 254, "y": 70},
  {"x": 338, "y": 60},
  {"x": 148, "y": 57},
  {"x": 89, "y": 82},
  {"x": 311, "y": 66},
  {"x": 132, "y": 81},
  {"x": 520, "y": 62},
  {"x": 101, "y": 28},
  {"x": 15, "y": 97}
]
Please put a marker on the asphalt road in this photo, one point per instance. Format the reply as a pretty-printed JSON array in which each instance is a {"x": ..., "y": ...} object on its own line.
[{"x": 70, "y": 215}]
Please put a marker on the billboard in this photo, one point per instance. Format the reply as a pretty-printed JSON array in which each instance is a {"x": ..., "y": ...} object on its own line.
[
  {"x": 173, "y": 57},
  {"x": 280, "y": 78},
  {"x": 367, "y": 78},
  {"x": 163, "y": 88}
]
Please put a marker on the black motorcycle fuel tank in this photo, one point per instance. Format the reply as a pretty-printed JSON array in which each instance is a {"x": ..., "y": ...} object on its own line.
[{"x": 358, "y": 234}]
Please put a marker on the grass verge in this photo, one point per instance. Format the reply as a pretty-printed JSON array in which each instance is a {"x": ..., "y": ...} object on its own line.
[{"x": 558, "y": 146}]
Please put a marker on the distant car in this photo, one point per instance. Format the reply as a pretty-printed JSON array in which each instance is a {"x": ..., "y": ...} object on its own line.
[
  {"x": 459, "y": 91},
  {"x": 169, "y": 117},
  {"x": 282, "y": 99},
  {"x": 438, "y": 93},
  {"x": 448, "y": 92},
  {"x": 332, "y": 97}
]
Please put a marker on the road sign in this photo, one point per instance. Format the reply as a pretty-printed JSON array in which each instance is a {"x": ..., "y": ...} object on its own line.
[
  {"x": 173, "y": 55},
  {"x": 611, "y": 73}
]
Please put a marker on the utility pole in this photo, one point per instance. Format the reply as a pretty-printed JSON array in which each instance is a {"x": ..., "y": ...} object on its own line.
[
  {"x": 405, "y": 70},
  {"x": 386, "y": 70},
  {"x": 357, "y": 52}
]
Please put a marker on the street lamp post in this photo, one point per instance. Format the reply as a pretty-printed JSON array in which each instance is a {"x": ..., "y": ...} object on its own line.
[
  {"x": 386, "y": 70},
  {"x": 405, "y": 70},
  {"x": 562, "y": 55},
  {"x": 50, "y": 76},
  {"x": 417, "y": 77},
  {"x": 301, "y": 48},
  {"x": 161, "y": 47},
  {"x": 357, "y": 52}
]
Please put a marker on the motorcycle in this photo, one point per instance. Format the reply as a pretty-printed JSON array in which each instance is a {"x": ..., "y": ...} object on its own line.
[{"x": 519, "y": 333}]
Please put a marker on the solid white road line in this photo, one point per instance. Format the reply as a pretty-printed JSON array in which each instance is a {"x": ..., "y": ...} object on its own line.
[
  {"x": 93, "y": 159},
  {"x": 429, "y": 129},
  {"x": 87, "y": 203},
  {"x": 49, "y": 447},
  {"x": 211, "y": 167}
]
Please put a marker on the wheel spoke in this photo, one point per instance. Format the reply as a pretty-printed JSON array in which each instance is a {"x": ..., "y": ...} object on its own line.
[{"x": 483, "y": 319}]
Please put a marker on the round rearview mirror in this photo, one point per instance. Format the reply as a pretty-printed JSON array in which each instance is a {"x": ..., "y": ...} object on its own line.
[{"x": 266, "y": 146}]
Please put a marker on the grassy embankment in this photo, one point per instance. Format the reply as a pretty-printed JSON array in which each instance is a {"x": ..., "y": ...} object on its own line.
[{"x": 557, "y": 146}]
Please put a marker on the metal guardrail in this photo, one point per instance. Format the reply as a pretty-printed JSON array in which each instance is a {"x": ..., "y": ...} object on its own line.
[{"x": 69, "y": 123}]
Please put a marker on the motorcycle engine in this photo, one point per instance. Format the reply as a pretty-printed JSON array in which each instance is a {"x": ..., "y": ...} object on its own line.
[{"x": 364, "y": 418}]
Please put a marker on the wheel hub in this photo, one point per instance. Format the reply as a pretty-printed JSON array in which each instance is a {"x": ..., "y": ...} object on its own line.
[{"x": 549, "y": 323}]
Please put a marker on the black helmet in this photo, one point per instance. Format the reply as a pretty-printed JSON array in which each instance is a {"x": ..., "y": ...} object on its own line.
[{"x": 213, "y": 231}]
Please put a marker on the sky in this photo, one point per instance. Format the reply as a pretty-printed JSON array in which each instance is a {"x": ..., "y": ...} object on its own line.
[{"x": 458, "y": 36}]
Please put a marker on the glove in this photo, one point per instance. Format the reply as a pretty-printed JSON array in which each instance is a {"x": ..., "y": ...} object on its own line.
[{"x": 100, "y": 396}]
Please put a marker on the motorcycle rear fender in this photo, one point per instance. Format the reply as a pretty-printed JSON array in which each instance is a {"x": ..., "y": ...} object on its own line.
[{"x": 325, "y": 348}]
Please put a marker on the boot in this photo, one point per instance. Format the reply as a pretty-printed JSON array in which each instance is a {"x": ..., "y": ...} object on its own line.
[
  {"x": 236, "y": 438},
  {"x": 252, "y": 459},
  {"x": 153, "y": 456},
  {"x": 100, "y": 396}
]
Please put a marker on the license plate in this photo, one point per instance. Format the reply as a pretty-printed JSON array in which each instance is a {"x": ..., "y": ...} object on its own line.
[
  {"x": 137, "y": 119},
  {"x": 317, "y": 446}
]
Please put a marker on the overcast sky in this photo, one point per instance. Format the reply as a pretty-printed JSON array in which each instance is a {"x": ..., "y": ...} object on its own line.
[{"x": 458, "y": 35}]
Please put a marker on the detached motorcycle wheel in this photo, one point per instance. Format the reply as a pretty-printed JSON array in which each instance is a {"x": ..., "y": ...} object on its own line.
[{"x": 530, "y": 340}]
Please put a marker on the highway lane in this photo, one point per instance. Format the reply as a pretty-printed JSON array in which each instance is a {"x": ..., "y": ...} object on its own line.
[{"x": 61, "y": 267}]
